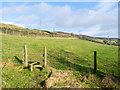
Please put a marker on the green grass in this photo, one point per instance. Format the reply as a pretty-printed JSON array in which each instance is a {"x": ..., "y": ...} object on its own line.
[{"x": 63, "y": 54}]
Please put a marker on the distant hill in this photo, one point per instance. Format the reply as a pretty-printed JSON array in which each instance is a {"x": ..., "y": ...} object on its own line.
[
  {"x": 20, "y": 31},
  {"x": 16, "y": 30},
  {"x": 10, "y": 26}
]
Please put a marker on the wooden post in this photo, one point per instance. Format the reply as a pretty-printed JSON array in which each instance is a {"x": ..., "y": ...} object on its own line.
[
  {"x": 31, "y": 67},
  {"x": 95, "y": 62},
  {"x": 26, "y": 61},
  {"x": 23, "y": 55},
  {"x": 45, "y": 57}
]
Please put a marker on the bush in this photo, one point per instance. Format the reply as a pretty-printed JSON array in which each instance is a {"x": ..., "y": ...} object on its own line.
[{"x": 105, "y": 41}]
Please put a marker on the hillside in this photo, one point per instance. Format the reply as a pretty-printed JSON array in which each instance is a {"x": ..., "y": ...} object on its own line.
[
  {"x": 10, "y": 26},
  {"x": 20, "y": 31}
]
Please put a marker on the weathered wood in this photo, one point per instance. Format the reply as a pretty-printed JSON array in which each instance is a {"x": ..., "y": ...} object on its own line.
[
  {"x": 31, "y": 67},
  {"x": 26, "y": 55},
  {"x": 33, "y": 63},
  {"x": 95, "y": 62},
  {"x": 45, "y": 57},
  {"x": 37, "y": 65}
]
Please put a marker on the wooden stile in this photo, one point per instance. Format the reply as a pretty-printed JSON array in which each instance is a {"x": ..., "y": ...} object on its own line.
[{"x": 34, "y": 63}]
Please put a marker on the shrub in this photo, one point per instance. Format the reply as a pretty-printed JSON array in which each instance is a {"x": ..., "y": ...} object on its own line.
[{"x": 105, "y": 41}]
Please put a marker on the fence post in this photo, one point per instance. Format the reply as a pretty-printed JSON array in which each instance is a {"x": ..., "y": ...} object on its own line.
[
  {"x": 26, "y": 61},
  {"x": 23, "y": 55},
  {"x": 45, "y": 57},
  {"x": 95, "y": 62}
]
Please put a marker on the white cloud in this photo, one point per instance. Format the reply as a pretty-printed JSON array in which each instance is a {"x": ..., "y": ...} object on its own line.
[
  {"x": 42, "y": 8},
  {"x": 28, "y": 21},
  {"x": 60, "y": 1},
  {"x": 103, "y": 17},
  {"x": 91, "y": 31}
]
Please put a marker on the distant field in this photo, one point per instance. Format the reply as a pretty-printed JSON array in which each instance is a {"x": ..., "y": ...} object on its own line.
[{"x": 63, "y": 54}]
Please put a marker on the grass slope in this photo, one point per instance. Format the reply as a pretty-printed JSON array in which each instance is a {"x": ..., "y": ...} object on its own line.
[
  {"x": 20, "y": 31},
  {"x": 10, "y": 26},
  {"x": 63, "y": 54}
]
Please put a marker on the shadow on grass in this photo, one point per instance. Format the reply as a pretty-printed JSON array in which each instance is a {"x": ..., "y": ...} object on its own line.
[
  {"x": 20, "y": 61},
  {"x": 27, "y": 68},
  {"x": 76, "y": 67}
]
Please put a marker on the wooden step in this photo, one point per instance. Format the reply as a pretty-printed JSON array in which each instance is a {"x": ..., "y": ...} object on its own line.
[
  {"x": 38, "y": 65},
  {"x": 32, "y": 66},
  {"x": 33, "y": 63}
]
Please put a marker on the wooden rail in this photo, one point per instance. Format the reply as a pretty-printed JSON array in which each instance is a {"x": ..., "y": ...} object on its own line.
[{"x": 33, "y": 63}]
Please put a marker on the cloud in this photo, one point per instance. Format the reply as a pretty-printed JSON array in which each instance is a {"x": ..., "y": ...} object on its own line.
[
  {"x": 60, "y": 1},
  {"x": 25, "y": 9},
  {"x": 102, "y": 18},
  {"x": 42, "y": 8},
  {"x": 30, "y": 21}
]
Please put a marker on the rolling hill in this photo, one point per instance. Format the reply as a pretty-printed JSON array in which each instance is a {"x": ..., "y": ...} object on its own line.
[{"x": 20, "y": 31}]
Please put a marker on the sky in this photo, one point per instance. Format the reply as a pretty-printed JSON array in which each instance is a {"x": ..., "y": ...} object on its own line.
[{"x": 98, "y": 19}]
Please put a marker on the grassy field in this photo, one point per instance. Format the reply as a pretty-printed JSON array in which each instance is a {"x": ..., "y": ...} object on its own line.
[{"x": 63, "y": 54}]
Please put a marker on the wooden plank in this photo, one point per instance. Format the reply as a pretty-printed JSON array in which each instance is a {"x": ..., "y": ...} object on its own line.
[
  {"x": 38, "y": 66},
  {"x": 33, "y": 63},
  {"x": 95, "y": 62}
]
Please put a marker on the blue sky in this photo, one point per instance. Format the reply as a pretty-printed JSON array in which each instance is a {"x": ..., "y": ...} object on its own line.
[{"x": 88, "y": 18}]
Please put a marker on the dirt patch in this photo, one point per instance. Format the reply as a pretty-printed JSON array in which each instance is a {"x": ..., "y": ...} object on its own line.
[
  {"x": 8, "y": 64},
  {"x": 62, "y": 79},
  {"x": 108, "y": 81},
  {"x": 66, "y": 79}
]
